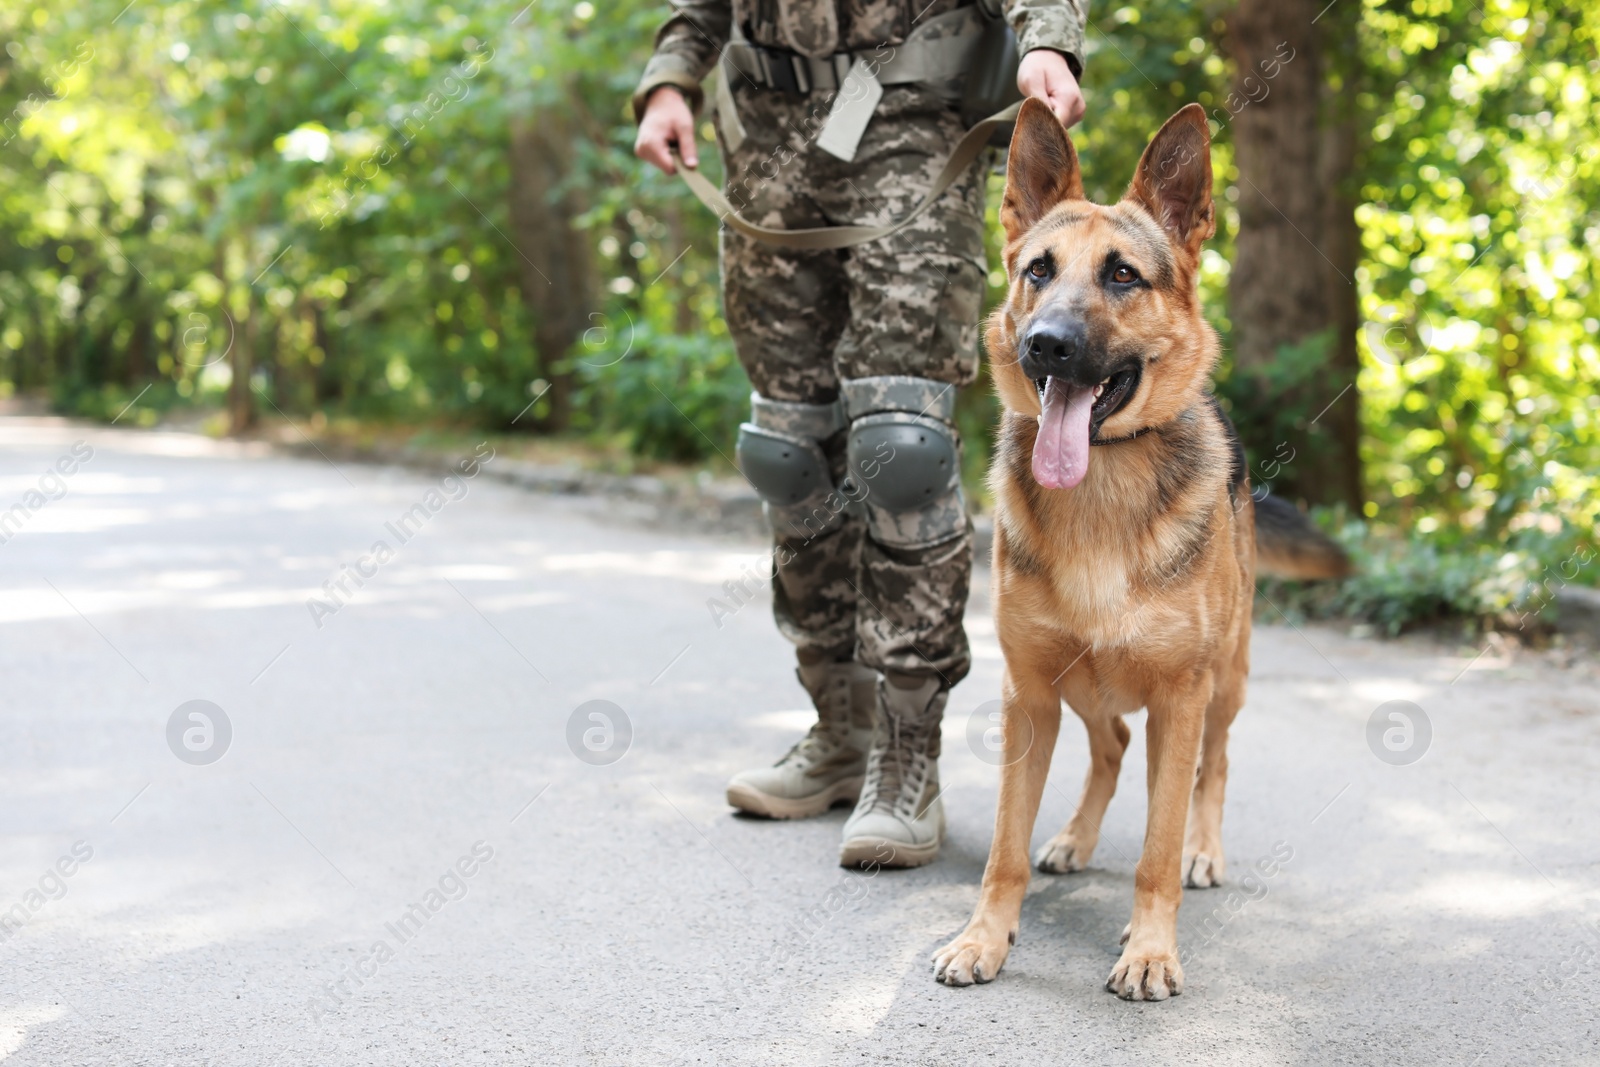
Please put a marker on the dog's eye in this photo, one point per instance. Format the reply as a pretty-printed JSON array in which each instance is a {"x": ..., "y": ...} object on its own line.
[
  {"x": 1039, "y": 269},
  {"x": 1124, "y": 275}
]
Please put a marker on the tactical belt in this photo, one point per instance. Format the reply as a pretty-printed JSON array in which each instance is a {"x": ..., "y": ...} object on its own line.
[
  {"x": 916, "y": 60},
  {"x": 966, "y": 150}
]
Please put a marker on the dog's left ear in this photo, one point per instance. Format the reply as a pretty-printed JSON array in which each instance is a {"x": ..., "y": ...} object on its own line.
[{"x": 1173, "y": 181}]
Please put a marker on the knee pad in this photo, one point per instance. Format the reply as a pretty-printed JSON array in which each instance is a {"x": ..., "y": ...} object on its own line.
[
  {"x": 780, "y": 453},
  {"x": 904, "y": 457}
]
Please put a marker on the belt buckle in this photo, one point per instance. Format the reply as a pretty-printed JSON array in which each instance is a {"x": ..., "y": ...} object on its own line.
[{"x": 782, "y": 70}]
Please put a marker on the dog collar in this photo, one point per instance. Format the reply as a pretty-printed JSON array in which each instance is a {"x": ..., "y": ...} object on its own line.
[{"x": 1119, "y": 440}]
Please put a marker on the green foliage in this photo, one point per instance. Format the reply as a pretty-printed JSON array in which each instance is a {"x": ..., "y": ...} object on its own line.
[
  {"x": 677, "y": 397},
  {"x": 1481, "y": 231},
  {"x": 1404, "y": 581},
  {"x": 326, "y": 185}
]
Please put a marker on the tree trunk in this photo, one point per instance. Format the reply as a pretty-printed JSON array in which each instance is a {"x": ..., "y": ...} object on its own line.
[
  {"x": 141, "y": 339},
  {"x": 557, "y": 265},
  {"x": 1332, "y": 473},
  {"x": 141, "y": 342},
  {"x": 1293, "y": 275},
  {"x": 1276, "y": 295},
  {"x": 88, "y": 356},
  {"x": 241, "y": 402},
  {"x": 323, "y": 382}
]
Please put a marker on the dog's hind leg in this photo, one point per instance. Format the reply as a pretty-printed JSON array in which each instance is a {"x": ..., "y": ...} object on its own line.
[
  {"x": 977, "y": 955},
  {"x": 1071, "y": 849},
  {"x": 1203, "y": 863},
  {"x": 1149, "y": 967}
]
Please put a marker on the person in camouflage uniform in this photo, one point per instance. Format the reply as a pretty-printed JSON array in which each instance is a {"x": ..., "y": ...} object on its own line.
[{"x": 872, "y": 338}]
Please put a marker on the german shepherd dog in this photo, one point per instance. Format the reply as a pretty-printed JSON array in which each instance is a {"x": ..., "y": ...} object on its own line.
[{"x": 1124, "y": 575}]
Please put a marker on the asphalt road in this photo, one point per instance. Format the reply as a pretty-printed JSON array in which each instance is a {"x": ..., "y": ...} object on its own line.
[{"x": 413, "y": 742}]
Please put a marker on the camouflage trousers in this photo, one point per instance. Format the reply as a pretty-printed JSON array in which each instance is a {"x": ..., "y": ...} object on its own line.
[{"x": 802, "y": 320}]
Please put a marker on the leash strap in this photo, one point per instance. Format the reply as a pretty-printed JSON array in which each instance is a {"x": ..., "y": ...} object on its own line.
[{"x": 971, "y": 145}]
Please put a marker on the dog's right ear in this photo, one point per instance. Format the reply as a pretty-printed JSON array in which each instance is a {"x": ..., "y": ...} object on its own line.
[{"x": 1041, "y": 170}]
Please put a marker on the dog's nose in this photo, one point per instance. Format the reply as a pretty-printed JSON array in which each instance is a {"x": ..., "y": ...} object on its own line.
[{"x": 1052, "y": 344}]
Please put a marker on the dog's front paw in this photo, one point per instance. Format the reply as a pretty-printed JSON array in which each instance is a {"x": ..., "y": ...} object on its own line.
[
  {"x": 1062, "y": 854},
  {"x": 1202, "y": 870},
  {"x": 1146, "y": 976},
  {"x": 972, "y": 957}
]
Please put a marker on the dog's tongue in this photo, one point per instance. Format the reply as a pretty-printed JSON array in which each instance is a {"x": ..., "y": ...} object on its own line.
[{"x": 1061, "y": 451}]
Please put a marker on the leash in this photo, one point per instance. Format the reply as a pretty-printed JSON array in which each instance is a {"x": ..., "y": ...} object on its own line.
[{"x": 971, "y": 145}]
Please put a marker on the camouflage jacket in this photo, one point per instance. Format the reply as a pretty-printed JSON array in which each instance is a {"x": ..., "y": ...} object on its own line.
[{"x": 688, "y": 46}]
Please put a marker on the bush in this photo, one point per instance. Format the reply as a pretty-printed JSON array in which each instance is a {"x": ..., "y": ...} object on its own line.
[
  {"x": 1404, "y": 581},
  {"x": 676, "y": 397}
]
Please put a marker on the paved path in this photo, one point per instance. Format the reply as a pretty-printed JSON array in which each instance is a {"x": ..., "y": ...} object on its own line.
[{"x": 417, "y": 743}]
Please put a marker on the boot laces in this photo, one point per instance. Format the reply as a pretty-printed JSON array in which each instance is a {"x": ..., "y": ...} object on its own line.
[
  {"x": 829, "y": 733},
  {"x": 897, "y": 772},
  {"x": 821, "y": 742}
]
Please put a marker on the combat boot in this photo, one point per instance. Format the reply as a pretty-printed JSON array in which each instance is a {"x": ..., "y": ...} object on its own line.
[
  {"x": 899, "y": 821},
  {"x": 827, "y": 765}
]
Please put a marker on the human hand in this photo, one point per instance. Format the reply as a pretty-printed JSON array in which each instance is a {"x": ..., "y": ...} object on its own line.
[
  {"x": 1045, "y": 76},
  {"x": 668, "y": 122}
]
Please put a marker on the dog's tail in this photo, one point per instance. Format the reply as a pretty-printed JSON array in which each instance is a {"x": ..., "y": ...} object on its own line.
[{"x": 1288, "y": 546}]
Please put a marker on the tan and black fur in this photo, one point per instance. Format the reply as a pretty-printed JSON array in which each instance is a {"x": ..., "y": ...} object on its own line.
[{"x": 1132, "y": 589}]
